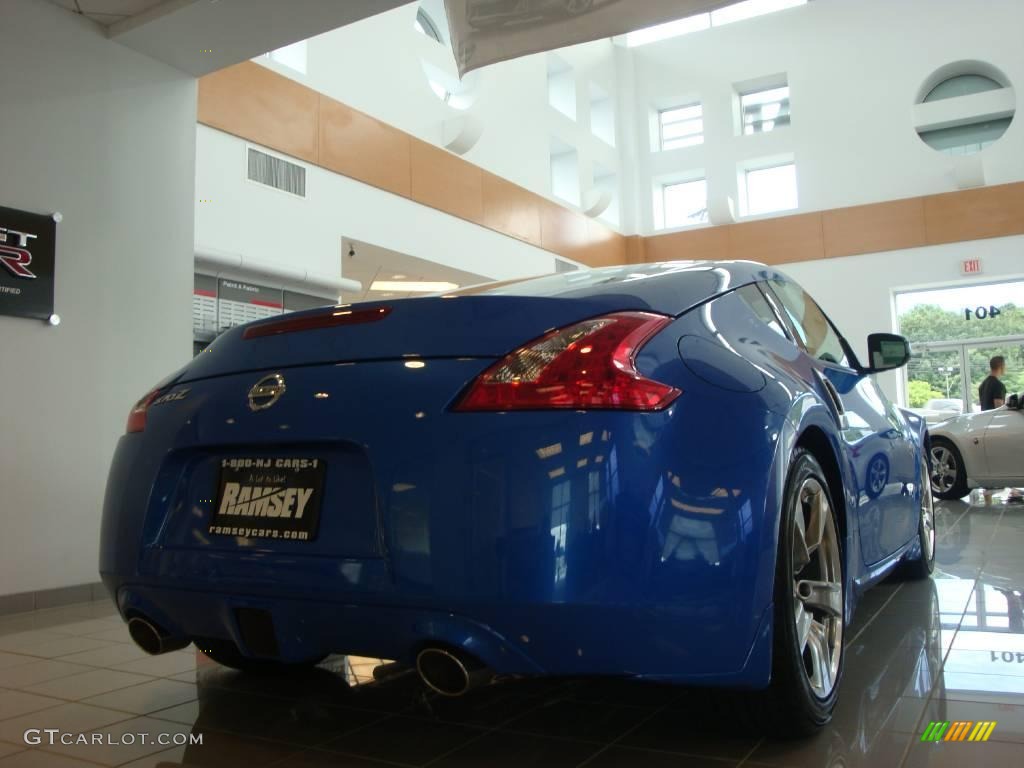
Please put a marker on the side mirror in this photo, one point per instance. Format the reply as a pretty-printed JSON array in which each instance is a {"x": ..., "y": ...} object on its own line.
[
  {"x": 1013, "y": 402},
  {"x": 887, "y": 351}
]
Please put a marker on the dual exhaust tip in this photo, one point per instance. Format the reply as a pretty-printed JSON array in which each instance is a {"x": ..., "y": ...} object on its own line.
[
  {"x": 152, "y": 639},
  {"x": 448, "y": 672}
]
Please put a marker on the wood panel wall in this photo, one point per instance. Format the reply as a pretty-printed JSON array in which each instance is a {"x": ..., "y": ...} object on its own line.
[
  {"x": 973, "y": 214},
  {"x": 257, "y": 104}
]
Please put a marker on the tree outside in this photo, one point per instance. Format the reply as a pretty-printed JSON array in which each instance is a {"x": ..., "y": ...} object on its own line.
[{"x": 936, "y": 374}]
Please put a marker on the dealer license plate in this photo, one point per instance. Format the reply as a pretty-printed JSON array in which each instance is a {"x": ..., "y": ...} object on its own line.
[{"x": 269, "y": 498}]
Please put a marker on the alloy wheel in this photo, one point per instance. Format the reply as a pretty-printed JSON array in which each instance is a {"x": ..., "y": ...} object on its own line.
[
  {"x": 944, "y": 469},
  {"x": 817, "y": 588}
]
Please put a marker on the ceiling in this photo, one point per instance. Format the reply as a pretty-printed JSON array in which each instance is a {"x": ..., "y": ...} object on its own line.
[
  {"x": 107, "y": 12},
  {"x": 371, "y": 262},
  {"x": 202, "y": 36}
]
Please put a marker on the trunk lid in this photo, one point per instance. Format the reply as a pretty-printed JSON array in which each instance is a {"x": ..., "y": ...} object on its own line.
[{"x": 434, "y": 327}]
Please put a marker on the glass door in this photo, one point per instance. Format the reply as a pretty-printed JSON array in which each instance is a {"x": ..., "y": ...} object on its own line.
[{"x": 954, "y": 333}]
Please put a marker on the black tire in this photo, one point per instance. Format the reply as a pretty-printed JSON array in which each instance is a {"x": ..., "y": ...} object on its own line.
[
  {"x": 789, "y": 706},
  {"x": 922, "y": 566},
  {"x": 227, "y": 655},
  {"x": 959, "y": 488}
]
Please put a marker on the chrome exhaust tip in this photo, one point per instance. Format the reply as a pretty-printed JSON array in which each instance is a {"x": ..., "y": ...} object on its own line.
[
  {"x": 450, "y": 672},
  {"x": 152, "y": 640}
]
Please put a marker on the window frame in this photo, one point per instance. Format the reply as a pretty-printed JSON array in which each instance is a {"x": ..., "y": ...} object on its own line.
[
  {"x": 661, "y": 126},
  {"x": 760, "y": 287},
  {"x": 788, "y": 115},
  {"x": 775, "y": 304}
]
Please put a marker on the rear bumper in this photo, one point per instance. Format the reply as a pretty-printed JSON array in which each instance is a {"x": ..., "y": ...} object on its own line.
[
  {"x": 514, "y": 640},
  {"x": 637, "y": 544}
]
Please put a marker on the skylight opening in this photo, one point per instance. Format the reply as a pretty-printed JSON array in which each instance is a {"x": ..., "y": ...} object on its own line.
[
  {"x": 747, "y": 9},
  {"x": 671, "y": 29}
]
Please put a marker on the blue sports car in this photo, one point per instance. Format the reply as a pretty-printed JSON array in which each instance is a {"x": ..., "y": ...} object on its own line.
[{"x": 675, "y": 471}]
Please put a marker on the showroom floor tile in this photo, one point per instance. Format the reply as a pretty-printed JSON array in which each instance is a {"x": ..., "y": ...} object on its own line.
[{"x": 948, "y": 649}]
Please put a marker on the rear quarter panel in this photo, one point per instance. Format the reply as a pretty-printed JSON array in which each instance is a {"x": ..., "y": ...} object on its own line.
[{"x": 966, "y": 432}]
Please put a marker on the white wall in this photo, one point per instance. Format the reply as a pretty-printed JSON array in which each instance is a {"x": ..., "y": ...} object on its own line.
[
  {"x": 377, "y": 66},
  {"x": 267, "y": 225},
  {"x": 857, "y": 291},
  {"x": 105, "y": 136},
  {"x": 854, "y": 70}
]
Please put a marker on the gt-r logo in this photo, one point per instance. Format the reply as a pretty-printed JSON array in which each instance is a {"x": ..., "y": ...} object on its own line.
[{"x": 16, "y": 256}]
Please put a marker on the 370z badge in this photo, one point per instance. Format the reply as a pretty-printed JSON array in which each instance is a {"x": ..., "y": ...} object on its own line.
[{"x": 269, "y": 498}]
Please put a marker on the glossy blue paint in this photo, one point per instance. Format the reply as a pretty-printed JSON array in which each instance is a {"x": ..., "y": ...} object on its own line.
[{"x": 559, "y": 542}]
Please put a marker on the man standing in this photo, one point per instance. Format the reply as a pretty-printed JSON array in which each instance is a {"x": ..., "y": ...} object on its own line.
[{"x": 992, "y": 392}]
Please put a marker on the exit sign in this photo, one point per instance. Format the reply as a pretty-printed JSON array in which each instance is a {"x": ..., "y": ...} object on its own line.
[{"x": 970, "y": 267}]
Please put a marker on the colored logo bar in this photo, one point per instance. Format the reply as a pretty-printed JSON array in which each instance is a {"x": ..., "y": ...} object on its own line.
[{"x": 958, "y": 730}]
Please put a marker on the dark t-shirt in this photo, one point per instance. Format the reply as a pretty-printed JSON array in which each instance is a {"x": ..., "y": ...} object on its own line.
[{"x": 991, "y": 389}]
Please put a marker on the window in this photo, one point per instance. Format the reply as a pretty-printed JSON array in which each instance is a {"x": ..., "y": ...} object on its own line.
[
  {"x": 770, "y": 189},
  {"x": 974, "y": 130},
  {"x": 685, "y": 203},
  {"x": 426, "y": 26},
  {"x": 765, "y": 110},
  {"x": 752, "y": 295},
  {"x": 681, "y": 126},
  {"x": 961, "y": 85},
  {"x": 816, "y": 333}
]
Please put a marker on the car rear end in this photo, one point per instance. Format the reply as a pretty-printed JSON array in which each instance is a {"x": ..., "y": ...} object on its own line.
[{"x": 514, "y": 476}]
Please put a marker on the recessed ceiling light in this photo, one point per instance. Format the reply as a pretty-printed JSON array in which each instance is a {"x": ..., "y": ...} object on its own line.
[{"x": 398, "y": 277}]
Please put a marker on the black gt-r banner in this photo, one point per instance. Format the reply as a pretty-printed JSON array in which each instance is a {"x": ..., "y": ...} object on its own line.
[{"x": 28, "y": 243}]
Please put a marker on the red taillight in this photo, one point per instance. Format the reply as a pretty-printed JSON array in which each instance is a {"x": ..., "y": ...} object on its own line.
[
  {"x": 588, "y": 365},
  {"x": 336, "y": 317},
  {"x": 137, "y": 415}
]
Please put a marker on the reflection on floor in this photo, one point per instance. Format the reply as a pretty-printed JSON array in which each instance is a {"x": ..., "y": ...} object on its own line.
[{"x": 951, "y": 649}]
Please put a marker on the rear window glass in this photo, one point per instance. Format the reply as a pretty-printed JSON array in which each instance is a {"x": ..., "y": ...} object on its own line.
[
  {"x": 757, "y": 302},
  {"x": 815, "y": 331},
  {"x": 580, "y": 280}
]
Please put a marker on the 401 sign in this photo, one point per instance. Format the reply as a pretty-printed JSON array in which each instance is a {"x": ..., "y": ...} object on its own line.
[
  {"x": 28, "y": 243},
  {"x": 981, "y": 313}
]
